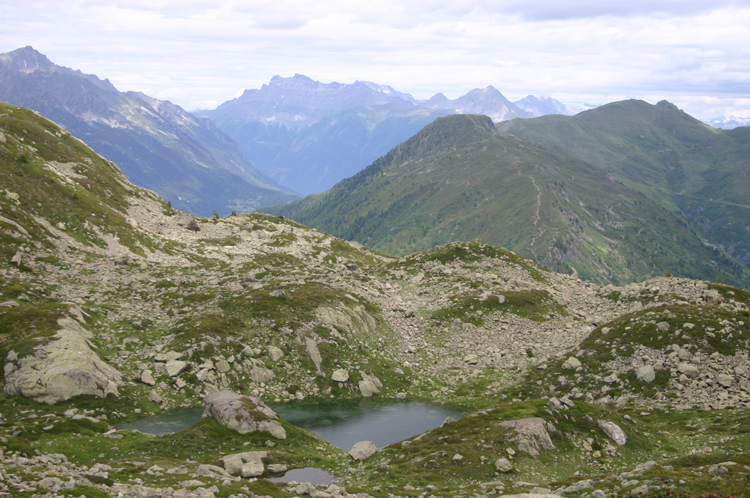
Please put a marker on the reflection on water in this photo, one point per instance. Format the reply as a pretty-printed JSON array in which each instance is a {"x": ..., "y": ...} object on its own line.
[
  {"x": 343, "y": 423},
  {"x": 312, "y": 475},
  {"x": 166, "y": 423}
]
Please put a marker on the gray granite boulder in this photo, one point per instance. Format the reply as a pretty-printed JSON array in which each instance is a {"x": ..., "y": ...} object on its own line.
[
  {"x": 243, "y": 414},
  {"x": 532, "y": 434},
  {"x": 363, "y": 450},
  {"x": 61, "y": 367},
  {"x": 614, "y": 432}
]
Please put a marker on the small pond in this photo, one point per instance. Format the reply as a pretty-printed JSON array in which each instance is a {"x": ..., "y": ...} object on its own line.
[
  {"x": 165, "y": 423},
  {"x": 341, "y": 423},
  {"x": 318, "y": 477}
]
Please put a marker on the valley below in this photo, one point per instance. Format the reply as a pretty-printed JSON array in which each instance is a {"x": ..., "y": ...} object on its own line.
[{"x": 115, "y": 306}]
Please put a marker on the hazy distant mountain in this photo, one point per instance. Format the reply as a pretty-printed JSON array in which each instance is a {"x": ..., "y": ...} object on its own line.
[
  {"x": 487, "y": 102},
  {"x": 728, "y": 122},
  {"x": 299, "y": 101},
  {"x": 540, "y": 106},
  {"x": 459, "y": 179},
  {"x": 309, "y": 135},
  {"x": 158, "y": 145}
]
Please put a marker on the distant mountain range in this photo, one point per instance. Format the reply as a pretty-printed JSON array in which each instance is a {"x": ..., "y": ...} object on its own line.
[
  {"x": 728, "y": 122},
  {"x": 309, "y": 135},
  {"x": 158, "y": 145},
  {"x": 459, "y": 179}
]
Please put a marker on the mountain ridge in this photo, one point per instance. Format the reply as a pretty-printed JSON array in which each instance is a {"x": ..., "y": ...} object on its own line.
[
  {"x": 308, "y": 135},
  {"x": 460, "y": 179},
  {"x": 156, "y": 143},
  {"x": 691, "y": 169}
]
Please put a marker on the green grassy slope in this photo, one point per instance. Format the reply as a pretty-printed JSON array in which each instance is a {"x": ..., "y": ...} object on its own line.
[
  {"x": 459, "y": 179},
  {"x": 686, "y": 166}
]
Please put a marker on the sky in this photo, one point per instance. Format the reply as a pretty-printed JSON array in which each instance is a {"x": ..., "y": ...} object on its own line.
[{"x": 198, "y": 54}]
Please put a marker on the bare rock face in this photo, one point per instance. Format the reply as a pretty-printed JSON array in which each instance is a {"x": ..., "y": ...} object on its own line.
[
  {"x": 64, "y": 367},
  {"x": 532, "y": 434},
  {"x": 243, "y": 414}
]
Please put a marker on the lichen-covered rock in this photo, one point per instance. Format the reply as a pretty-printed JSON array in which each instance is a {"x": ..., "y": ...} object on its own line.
[
  {"x": 340, "y": 375},
  {"x": 571, "y": 363},
  {"x": 363, "y": 450},
  {"x": 275, "y": 353},
  {"x": 147, "y": 377},
  {"x": 645, "y": 373},
  {"x": 243, "y": 414},
  {"x": 503, "y": 465},
  {"x": 532, "y": 434},
  {"x": 369, "y": 385},
  {"x": 258, "y": 371},
  {"x": 64, "y": 367},
  {"x": 614, "y": 432},
  {"x": 175, "y": 367},
  {"x": 312, "y": 350}
]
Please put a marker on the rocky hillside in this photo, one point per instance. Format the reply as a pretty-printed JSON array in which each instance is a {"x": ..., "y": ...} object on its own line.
[
  {"x": 115, "y": 306},
  {"x": 459, "y": 179},
  {"x": 158, "y": 145}
]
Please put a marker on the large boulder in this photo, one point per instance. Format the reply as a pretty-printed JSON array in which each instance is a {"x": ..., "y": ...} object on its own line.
[
  {"x": 340, "y": 375},
  {"x": 503, "y": 465},
  {"x": 258, "y": 371},
  {"x": 61, "y": 367},
  {"x": 532, "y": 434},
  {"x": 369, "y": 385},
  {"x": 363, "y": 450},
  {"x": 645, "y": 373},
  {"x": 243, "y": 414},
  {"x": 571, "y": 363},
  {"x": 614, "y": 432}
]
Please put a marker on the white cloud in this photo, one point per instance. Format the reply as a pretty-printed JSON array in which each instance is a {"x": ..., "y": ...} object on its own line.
[{"x": 198, "y": 53}]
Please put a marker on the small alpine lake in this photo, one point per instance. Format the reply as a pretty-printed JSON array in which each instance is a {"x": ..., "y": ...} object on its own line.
[{"x": 341, "y": 423}]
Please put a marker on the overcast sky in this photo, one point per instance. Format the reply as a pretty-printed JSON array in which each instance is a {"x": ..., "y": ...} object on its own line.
[{"x": 198, "y": 54}]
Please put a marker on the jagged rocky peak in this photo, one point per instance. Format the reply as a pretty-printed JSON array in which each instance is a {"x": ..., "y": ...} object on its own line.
[{"x": 28, "y": 60}]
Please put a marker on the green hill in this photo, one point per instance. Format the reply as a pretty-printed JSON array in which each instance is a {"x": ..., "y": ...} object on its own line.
[
  {"x": 459, "y": 179},
  {"x": 693, "y": 170}
]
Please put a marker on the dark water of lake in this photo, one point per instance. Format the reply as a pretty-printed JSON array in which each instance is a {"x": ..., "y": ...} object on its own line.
[{"x": 341, "y": 423}]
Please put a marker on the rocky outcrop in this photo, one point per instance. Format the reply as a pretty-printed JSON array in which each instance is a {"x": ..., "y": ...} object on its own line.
[
  {"x": 243, "y": 414},
  {"x": 61, "y": 368},
  {"x": 351, "y": 320}
]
